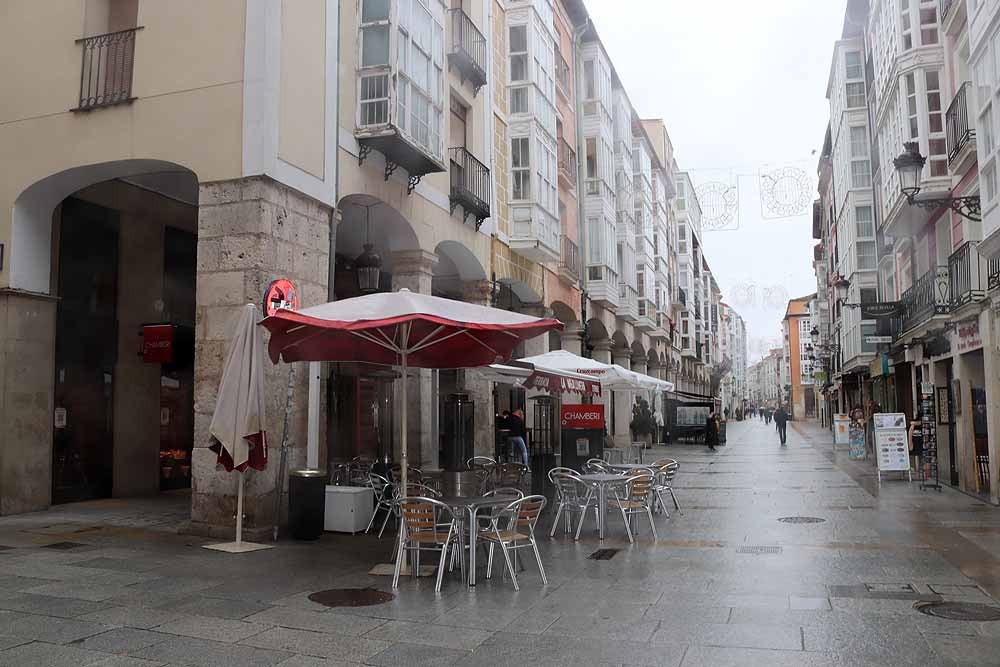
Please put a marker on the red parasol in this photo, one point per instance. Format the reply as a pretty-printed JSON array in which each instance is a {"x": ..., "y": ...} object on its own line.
[{"x": 402, "y": 329}]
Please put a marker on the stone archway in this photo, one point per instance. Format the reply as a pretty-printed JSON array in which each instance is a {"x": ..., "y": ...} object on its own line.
[
  {"x": 97, "y": 252},
  {"x": 32, "y": 215}
]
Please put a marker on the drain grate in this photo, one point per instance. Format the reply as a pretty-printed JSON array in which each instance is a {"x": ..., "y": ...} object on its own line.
[
  {"x": 890, "y": 588},
  {"x": 801, "y": 519},
  {"x": 63, "y": 546},
  {"x": 959, "y": 611},
  {"x": 351, "y": 597},
  {"x": 603, "y": 554},
  {"x": 758, "y": 550}
]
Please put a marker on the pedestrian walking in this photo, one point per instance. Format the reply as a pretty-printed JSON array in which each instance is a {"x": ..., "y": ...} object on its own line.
[
  {"x": 781, "y": 423},
  {"x": 517, "y": 436},
  {"x": 712, "y": 430},
  {"x": 658, "y": 420}
]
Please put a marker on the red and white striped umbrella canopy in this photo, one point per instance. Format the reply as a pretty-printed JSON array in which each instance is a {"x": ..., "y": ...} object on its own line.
[{"x": 397, "y": 328}]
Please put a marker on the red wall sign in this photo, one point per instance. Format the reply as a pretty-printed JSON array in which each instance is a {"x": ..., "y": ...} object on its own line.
[
  {"x": 281, "y": 293},
  {"x": 158, "y": 343},
  {"x": 582, "y": 416}
]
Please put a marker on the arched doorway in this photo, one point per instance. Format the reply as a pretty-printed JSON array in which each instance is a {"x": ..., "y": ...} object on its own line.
[
  {"x": 116, "y": 244},
  {"x": 364, "y": 422}
]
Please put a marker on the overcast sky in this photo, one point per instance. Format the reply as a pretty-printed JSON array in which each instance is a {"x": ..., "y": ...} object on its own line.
[{"x": 741, "y": 87}]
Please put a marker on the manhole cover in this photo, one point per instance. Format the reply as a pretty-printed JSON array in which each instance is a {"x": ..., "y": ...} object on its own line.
[
  {"x": 959, "y": 611},
  {"x": 758, "y": 550},
  {"x": 603, "y": 554},
  {"x": 801, "y": 519},
  {"x": 63, "y": 546},
  {"x": 351, "y": 597}
]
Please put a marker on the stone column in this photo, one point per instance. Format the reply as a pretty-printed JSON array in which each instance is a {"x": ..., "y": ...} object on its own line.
[
  {"x": 623, "y": 400},
  {"x": 532, "y": 347},
  {"x": 472, "y": 381},
  {"x": 27, "y": 374},
  {"x": 572, "y": 338},
  {"x": 414, "y": 270},
  {"x": 991, "y": 368},
  {"x": 250, "y": 232},
  {"x": 639, "y": 364}
]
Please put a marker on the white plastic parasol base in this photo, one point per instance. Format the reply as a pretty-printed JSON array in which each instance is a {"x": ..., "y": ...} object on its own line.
[{"x": 238, "y": 547}]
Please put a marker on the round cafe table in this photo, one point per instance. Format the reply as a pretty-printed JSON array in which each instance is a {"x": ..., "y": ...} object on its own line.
[
  {"x": 470, "y": 506},
  {"x": 602, "y": 482}
]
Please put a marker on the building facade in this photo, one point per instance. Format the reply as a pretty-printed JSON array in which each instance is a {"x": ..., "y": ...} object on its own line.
[
  {"x": 482, "y": 150},
  {"x": 926, "y": 322}
]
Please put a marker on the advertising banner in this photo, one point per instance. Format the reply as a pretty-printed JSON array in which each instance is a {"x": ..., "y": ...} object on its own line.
[{"x": 841, "y": 430}]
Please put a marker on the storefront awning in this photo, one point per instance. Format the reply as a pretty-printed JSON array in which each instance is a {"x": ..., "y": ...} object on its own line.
[
  {"x": 611, "y": 376},
  {"x": 553, "y": 381}
]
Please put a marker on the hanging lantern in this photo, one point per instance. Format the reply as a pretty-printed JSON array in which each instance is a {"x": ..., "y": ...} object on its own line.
[{"x": 368, "y": 267}]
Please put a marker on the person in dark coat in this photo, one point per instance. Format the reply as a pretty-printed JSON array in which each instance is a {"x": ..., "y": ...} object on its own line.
[
  {"x": 518, "y": 433},
  {"x": 781, "y": 422},
  {"x": 712, "y": 430}
]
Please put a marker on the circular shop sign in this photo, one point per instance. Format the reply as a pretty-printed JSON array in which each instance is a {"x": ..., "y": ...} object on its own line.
[{"x": 281, "y": 293}]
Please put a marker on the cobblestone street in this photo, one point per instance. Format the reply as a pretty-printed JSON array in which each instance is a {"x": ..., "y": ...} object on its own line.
[{"x": 114, "y": 583}]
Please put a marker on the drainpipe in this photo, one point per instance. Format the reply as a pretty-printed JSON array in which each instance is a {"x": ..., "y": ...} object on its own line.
[
  {"x": 581, "y": 218},
  {"x": 327, "y": 367}
]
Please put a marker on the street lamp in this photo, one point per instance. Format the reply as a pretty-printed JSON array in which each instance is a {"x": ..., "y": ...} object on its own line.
[{"x": 910, "y": 166}]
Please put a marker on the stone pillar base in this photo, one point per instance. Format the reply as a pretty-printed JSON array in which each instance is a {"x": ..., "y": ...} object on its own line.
[{"x": 251, "y": 231}]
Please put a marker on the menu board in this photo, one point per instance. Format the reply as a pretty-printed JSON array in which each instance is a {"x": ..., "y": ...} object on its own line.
[{"x": 892, "y": 450}]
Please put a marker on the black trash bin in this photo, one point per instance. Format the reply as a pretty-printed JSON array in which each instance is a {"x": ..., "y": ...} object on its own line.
[{"x": 306, "y": 503}]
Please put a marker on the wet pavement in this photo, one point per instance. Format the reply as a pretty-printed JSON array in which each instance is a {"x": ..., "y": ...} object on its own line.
[{"x": 115, "y": 583}]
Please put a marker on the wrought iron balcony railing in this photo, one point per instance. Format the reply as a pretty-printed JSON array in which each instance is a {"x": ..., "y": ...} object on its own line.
[
  {"x": 570, "y": 259},
  {"x": 960, "y": 130},
  {"x": 106, "y": 69},
  {"x": 470, "y": 185},
  {"x": 993, "y": 273},
  {"x": 927, "y": 297},
  {"x": 966, "y": 275},
  {"x": 567, "y": 162},
  {"x": 468, "y": 51}
]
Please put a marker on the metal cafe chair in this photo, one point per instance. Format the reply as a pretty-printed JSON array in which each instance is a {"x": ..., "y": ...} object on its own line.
[
  {"x": 511, "y": 474},
  {"x": 664, "y": 483},
  {"x": 635, "y": 451},
  {"x": 574, "y": 497},
  {"x": 638, "y": 499},
  {"x": 617, "y": 454},
  {"x": 424, "y": 528},
  {"x": 594, "y": 466},
  {"x": 385, "y": 499},
  {"x": 513, "y": 528},
  {"x": 483, "y": 467}
]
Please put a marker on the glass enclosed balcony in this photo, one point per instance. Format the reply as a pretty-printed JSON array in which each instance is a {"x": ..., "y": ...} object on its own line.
[{"x": 400, "y": 86}]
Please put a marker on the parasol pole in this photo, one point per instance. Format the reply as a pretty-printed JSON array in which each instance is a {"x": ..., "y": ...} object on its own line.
[
  {"x": 402, "y": 440},
  {"x": 239, "y": 514}
]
